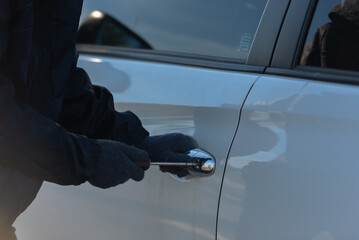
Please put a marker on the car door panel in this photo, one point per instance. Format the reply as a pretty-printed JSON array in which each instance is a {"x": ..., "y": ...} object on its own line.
[
  {"x": 292, "y": 172},
  {"x": 171, "y": 89},
  {"x": 202, "y": 103}
]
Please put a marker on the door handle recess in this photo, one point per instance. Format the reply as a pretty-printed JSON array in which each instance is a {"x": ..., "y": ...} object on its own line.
[{"x": 202, "y": 164}]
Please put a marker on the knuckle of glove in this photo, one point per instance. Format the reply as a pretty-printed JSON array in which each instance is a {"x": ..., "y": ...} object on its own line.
[
  {"x": 115, "y": 166},
  {"x": 180, "y": 143},
  {"x": 138, "y": 176}
]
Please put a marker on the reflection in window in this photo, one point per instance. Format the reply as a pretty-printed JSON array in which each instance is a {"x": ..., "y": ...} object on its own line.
[
  {"x": 223, "y": 28},
  {"x": 335, "y": 43},
  {"x": 101, "y": 29}
]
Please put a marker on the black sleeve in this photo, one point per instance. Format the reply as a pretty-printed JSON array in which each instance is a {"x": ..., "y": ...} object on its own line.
[
  {"x": 89, "y": 110},
  {"x": 39, "y": 147},
  {"x": 30, "y": 142},
  {"x": 4, "y": 25}
]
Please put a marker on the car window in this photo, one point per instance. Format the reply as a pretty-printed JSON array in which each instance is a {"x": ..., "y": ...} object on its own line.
[
  {"x": 222, "y": 28},
  {"x": 333, "y": 36}
]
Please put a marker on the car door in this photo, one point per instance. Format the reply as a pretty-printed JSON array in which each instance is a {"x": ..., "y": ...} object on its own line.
[
  {"x": 181, "y": 67},
  {"x": 292, "y": 172}
]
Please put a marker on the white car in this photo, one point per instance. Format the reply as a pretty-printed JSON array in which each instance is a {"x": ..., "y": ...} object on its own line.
[{"x": 228, "y": 74}]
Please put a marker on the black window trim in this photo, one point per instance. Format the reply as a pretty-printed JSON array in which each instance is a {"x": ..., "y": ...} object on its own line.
[
  {"x": 267, "y": 33},
  {"x": 169, "y": 57},
  {"x": 317, "y": 74},
  {"x": 292, "y": 33}
]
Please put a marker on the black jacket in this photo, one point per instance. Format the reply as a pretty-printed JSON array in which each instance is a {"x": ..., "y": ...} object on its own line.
[{"x": 49, "y": 110}]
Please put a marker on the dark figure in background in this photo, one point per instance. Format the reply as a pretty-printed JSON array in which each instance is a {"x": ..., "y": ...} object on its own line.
[
  {"x": 335, "y": 44},
  {"x": 51, "y": 115}
]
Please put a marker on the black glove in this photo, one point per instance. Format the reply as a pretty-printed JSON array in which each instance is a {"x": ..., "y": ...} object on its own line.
[
  {"x": 117, "y": 164},
  {"x": 168, "y": 148}
]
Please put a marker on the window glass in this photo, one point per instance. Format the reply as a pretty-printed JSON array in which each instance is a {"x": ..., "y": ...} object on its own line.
[
  {"x": 333, "y": 37},
  {"x": 223, "y": 28}
]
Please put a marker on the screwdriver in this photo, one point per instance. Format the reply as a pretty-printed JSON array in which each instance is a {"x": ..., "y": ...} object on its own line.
[
  {"x": 174, "y": 164},
  {"x": 202, "y": 163}
]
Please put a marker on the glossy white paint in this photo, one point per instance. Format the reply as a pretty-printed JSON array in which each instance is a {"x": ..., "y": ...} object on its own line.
[
  {"x": 200, "y": 103},
  {"x": 293, "y": 170}
]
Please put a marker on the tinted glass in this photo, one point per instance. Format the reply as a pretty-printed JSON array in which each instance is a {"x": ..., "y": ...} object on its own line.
[
  {"x": 223, "y": 28},
  {"x": 333, "y": 37}
]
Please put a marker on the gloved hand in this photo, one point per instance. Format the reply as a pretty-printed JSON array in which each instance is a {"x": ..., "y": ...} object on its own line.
[
  {"x": 117, "y": 164},
  {"x": 168, "y": 148}
]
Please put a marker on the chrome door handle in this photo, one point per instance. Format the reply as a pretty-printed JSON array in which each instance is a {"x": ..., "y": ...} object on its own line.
[{"x": 203, "y": 163}]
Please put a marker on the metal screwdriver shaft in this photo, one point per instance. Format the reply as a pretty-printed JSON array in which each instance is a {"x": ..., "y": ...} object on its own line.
[{"x": 174, "y": 164}]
